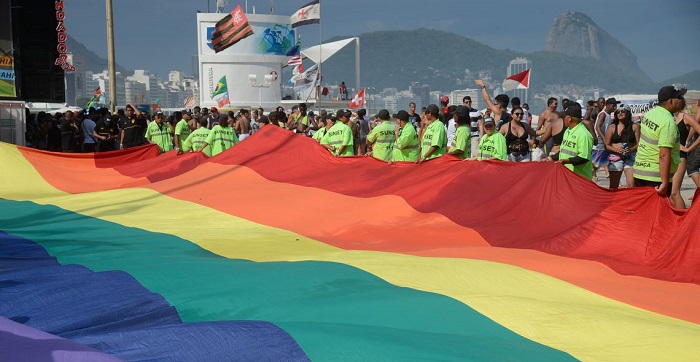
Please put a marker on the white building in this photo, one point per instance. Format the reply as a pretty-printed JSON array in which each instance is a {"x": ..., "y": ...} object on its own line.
[{"x": 102, "y": 80}]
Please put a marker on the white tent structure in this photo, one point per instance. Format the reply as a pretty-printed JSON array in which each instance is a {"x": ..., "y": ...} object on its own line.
[{"x": 320, "y": 53}]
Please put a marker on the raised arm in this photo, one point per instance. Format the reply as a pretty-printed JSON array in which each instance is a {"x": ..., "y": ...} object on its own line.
[{"x": 487, "y": 98}]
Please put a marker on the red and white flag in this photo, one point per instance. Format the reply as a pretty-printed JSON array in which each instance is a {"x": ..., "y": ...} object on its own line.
[
  {"x": 517, "y": 81},
  {"x": 358, "y": 100}
]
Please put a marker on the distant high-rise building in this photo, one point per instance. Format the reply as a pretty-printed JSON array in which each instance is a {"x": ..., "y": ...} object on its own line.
[
  {"x": 421, "y": 91},
  {"x": 153, "y": 91},
  {"x": 400, "y": 101},
  {"x": 136, "y": 92},
  {"x": 176, "y": 76},
  {"x": 75, "y": 81},
  {"x": 518, "y": 65},
  {"x": 102, "y": 80},
  {"x": 456, "y": 97}
]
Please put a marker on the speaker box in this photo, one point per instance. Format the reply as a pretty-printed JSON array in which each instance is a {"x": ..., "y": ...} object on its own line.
[{"x": 35, "y": 38}]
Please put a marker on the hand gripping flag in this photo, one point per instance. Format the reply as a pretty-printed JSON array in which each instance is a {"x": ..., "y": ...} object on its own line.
[
  {"x": 517, "y": 81},
  {"x": 358, "y": 100},
  {"x": 220, "y": 94},
  {"x": 231, "y": 29},
  {"x": 308, "y": 14}
]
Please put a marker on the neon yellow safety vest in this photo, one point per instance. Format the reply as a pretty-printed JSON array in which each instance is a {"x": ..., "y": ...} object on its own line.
[
  {"x": 406, "y": 146},
  {"x": 578, "y": 141},
  {"x": 658, "y": 129},
  {"x": 383, "y": 137}
]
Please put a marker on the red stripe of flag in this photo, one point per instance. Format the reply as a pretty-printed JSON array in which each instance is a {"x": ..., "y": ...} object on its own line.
[{"x": 294, "y": 60}]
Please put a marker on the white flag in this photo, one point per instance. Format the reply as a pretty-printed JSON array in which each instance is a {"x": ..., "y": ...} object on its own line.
[{"x": 308, "y": 14}]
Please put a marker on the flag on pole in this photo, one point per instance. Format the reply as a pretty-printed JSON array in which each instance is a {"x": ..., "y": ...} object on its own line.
[
  {"x": 295, "y": 50},
  {"x": 294, "y": 60},
  {"x": 231, "y": 29},
  {"x": 308, "y": 14},
  {"x": 220, "y": 94},
  {"x": 95, "y": 97},
  {"x": 517, "y": 81},
  {"x": 358, "y": 100}
]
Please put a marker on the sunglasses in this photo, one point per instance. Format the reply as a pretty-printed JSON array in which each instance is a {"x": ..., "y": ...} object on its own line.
[{"x": 517, "y": 114}]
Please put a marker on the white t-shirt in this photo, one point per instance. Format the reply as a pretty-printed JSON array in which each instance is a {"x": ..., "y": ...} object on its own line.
[
  {"x": 451, "y": 131},
  {"x": 604, "y": 127}
]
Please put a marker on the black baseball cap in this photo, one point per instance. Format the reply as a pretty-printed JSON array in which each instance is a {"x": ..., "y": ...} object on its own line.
[
  {"x": 384, "y": 115},
  {"x": 343, "y": 112},
  {"x": 671, "y": 91}
]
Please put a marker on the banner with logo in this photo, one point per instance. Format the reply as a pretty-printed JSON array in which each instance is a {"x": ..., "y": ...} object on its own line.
[
  {"x": 306, "y": 83},
  {"x": 7, "y": 58}
]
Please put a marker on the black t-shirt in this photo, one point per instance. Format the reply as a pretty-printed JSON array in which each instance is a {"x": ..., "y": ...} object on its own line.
[
  {"x": 107, "y": 130},
  {"x": 68, "y": 136},
  {"x": 134, "y": 130},
  {"x": 53, "y": 139}
]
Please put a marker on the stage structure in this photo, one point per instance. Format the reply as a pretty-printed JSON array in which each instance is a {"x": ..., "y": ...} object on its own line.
[{"x": 259, "y": 56}]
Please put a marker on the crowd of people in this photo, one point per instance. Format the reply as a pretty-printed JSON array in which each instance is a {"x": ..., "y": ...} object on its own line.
[{"x": 655, "y": 149}]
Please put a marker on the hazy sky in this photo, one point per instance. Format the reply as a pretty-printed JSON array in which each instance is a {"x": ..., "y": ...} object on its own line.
[{"x": 161, "y": 35}]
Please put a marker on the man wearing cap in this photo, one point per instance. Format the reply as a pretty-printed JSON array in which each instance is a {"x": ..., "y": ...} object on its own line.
[
  {"x": 182, "y": 130},
  {"x": 600, "y": 155},
  {"x": 158, "y": 133},
  {"x": 658, "y": 153},
  {"x": 196, "y": 140},
  {"x": 461, "y": 143},
  {"x": 382, "y": 137},
  {"x": 213, "y": 119},
  {"x": 434, "y": 139},
  {"x": 406, "y": 145},
  {"x": 492, "y": 145},
  {"x": 576, "y": 151},
  {"x": 338, "y": 139},
  {"x": 445, "y": 103},
  {"x": 107, "y": 132},
  {"x": 324, "y": 124},
  {"x": 221, "y": 137}
]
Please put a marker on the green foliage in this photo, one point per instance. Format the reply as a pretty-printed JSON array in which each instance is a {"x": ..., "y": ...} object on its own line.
[{"x": 691, "y": 80}]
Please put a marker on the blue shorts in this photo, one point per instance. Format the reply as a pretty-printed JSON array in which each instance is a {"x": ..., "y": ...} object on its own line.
[
  {"x": 622, "y": 163},
  {"x": 600, "y": 158}
]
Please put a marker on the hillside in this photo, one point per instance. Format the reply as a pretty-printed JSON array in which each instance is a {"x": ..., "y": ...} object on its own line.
[
  {"x": 691, "y": 80},
  {"x": 448, "y": 61},
  {"x": 93, "y": 62},
  {"x": 576, "y": 34}
]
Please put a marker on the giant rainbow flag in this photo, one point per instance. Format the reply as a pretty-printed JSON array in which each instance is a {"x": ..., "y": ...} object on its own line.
[{"x": 275, "y": 250}]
